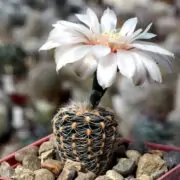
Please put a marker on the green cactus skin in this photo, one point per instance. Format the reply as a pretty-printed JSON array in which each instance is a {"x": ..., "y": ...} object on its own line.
[{"x": 86, "y": 136}]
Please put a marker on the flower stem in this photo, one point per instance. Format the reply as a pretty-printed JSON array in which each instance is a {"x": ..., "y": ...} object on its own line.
[{"x": 96, "y": 93}]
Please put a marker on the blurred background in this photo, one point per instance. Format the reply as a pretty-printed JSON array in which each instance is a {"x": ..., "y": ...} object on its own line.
[{"x": 31, "y": 91}]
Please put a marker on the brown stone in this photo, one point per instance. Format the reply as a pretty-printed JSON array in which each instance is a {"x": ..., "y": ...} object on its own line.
[
  {"x": 54, "y": 166},
  {"x": 150, "y": 163},
  {"x": 44, "y": 174},
  {"x": 67, "y": 174},
  {"x": 30, "y": 150},
  {"x": 85, "y": 176},
  {"x": 46, "y": 146},
  {"x": 31, "y": 162}
]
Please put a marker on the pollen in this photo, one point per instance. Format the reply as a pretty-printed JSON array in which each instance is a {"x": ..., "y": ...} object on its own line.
[{"x": 112, "y": 35}]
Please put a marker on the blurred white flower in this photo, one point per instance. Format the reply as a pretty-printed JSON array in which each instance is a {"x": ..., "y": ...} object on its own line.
[{"x": 110, "y": 49}]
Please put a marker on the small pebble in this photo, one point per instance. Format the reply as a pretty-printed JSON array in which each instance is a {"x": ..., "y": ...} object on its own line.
[
  {"x": 171, "y": 159},
  {"x": 54, "y": 166},
  {"x": 67, "y": 174},
  {"x": 44, "y": 174},
  {"x": 130, "y": 178},
  {"x": 26, "y": 176},
  {"x": 113, "y": 175},
  {"x": 52, "y": 139},
  {"x": 144, "y": 177},
  {"x": 157, "y": 174},
  {"x": 85, "y": 176},
  {"x": 125, "y": 166},
  {"x": 150, "y": 163},
  {"x": 47, "y": 155},
  {"x": 157, "y": 152},
  {"x": 30, "y": 150},
  {"x": 77, "y": 166},
  {"x": 31, "y": 162},
  {"x": 20, "y": 169},
  {"x": 133, "y": 154},
  {"x": 6, "y": 171},
  {"x": 101, "y": 178},
  {"x": 46, "y": 146}
]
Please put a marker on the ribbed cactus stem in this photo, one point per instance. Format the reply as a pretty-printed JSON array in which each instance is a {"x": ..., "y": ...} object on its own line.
[{"x": 85, "y": 135}]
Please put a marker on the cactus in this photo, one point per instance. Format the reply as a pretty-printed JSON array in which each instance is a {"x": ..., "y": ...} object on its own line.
[{"x": 85, "y": 135}]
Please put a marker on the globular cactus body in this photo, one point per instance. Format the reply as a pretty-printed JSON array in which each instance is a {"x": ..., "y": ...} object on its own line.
[{"x": 86, "y": 136}]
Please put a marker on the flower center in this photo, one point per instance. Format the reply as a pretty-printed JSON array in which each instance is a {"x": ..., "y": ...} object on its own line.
[
  {"x": 111, "y": 39},
  {"x": 112, "y": 35}
]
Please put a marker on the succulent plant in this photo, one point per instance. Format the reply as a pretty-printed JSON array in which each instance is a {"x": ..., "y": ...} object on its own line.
[
  {"x": 85, "y": 135},
  {"x": 13, "y": 59}
]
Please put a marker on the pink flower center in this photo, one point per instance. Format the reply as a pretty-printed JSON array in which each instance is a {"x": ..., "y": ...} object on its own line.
[{"x": 110, "y": 40}]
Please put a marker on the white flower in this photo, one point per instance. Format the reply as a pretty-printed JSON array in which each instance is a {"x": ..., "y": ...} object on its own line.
[{"x": 110, "y": 49}]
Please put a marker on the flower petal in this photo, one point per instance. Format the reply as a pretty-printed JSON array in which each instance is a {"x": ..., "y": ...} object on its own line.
[
  {"x": 126, "y": 63},
  {"x": 106, "y": 70},
  {"x": 162, "y": 60},
  {"x": 135, "y": 34},
  {"x": 145, "y": 34},
  {"x": 140, "y": 76},
  {"x": 58, "y": 37},
  {"x": 49, "y": 45},
  {"x": 78, "y": 28},
  {"x": 129, "y": 27},
  {"x": 108, "y": 20},
  {"x": 147, "y": 28},
  {"x": 100, "y": 50},
  {"x": 147, "y": 46},
  {"x": 70, "y": 54},
  {"x": 90, "y": 19},
  {"x": 85, "y": 67},
  {"x": 151, "y": 67}
]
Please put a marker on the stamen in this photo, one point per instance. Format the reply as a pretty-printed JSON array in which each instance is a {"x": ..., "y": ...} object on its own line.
[{"x": 112, "y": 35}]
